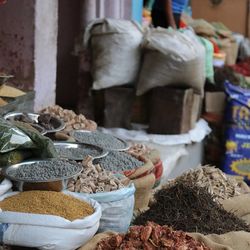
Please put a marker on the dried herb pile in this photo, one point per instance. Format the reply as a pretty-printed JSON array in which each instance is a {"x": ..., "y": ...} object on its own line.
[
  {"x": 153, "y": 237},
  {"x": 192, "y": 209},
  {"x": 213, "y": 179}
]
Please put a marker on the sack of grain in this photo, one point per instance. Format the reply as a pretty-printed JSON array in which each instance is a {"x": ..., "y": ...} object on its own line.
[
  {"x": 177, "y": 61},
  {"x": 47, "y": 231},
  {"x": 115, "y": 51},
  {"x": 117, "y": 208}
]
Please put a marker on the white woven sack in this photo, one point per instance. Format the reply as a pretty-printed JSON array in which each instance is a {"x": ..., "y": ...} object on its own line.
[
  {"x": 115, "y": 51},
  {"x": 117, "y": 208},
  {"x": 48, "y": 231},
  {"x": 171, "y": 58}
]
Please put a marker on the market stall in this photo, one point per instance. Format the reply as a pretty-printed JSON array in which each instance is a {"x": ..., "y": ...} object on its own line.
[{"x": 69, "y": 182}]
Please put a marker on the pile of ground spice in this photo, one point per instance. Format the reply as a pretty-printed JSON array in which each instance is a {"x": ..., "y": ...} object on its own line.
[
  {"x": 191, "y": 209},
  {"x": 49, "y": 203},
  {"x": 153, "y": 237}
]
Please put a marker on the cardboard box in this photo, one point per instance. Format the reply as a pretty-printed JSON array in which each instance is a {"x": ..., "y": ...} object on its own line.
[
  {"x": 233, "y": 13},
  {"x": 173, "y": 111},
  {"x": 215, "y": 102}
]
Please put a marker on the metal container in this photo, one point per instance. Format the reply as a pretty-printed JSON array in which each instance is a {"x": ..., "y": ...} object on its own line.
[
  {"x": 70, "y": 146},
  {"x": 6, "y": 172},
  {"x": 60, "y": 125},
  {"x": 75, "y": 135}
]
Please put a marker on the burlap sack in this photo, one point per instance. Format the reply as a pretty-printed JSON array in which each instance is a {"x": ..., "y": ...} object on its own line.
[
  {"x": 143, "y": 188},
  {"x": 230, "y": 241},
  {"x": 144, "y": 170},
  {"x": 239, "y": 205}
]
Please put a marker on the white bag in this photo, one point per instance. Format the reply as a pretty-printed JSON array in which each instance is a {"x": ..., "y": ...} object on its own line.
[
  {"x": 48, "y": 231},
  {"x": 5, "y": 186},
  {"x": 171, "y": 58},
  {"x": 117, "y": 208},
  {"x": 115, "y": 51}
]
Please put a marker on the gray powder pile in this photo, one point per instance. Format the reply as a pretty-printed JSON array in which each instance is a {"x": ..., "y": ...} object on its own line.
[
  {"x": 78, "y": 153},
  {"x": 46, "y": 170},
  {"x": 99, "y": 139},
  {"x": 119, "y": 161}
]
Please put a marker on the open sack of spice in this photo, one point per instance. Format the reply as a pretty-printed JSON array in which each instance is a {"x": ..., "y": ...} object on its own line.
[
  {"x": 115, "y": 193},
  {"x": 48, "y": 220},
  {"x": 141, "y": 150},
  {"x": 138, "y": 169},
  {"x": 19, "y": 141},
  {"x": 140, "y": 237}
]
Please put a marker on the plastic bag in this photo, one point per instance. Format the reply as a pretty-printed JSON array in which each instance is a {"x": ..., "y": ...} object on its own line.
[
  {"x": 117, "y": 208},
  {"x": 115, "y": 51},
  {"x": 209, "y": 58},
  {"x": 48, "y": 231},
  {"x": 237, "y": 155},
  {"x": 12, "y": 138},
  {"x": 171, "y": 58}
]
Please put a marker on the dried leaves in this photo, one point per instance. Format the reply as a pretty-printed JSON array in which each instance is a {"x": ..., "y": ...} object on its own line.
[
  {"x": 151, "y": 237},
  {"x": 192, "y": 209}
]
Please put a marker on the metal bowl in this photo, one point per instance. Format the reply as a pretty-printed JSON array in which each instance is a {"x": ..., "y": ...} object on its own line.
[
  {"x": 6, "y": 171},
  {"x": 70, "y": 146},
  {"x": 75, "y": 134},
  {"x": 60, "y": 125},
  {"x": 4, "y": 78}
]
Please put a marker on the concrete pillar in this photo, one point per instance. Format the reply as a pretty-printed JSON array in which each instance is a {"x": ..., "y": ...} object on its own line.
[{"x": 45, "y": 59}]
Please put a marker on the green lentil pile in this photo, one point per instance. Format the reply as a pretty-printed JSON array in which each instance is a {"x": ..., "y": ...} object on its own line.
[{"x": 49, "y": 203}]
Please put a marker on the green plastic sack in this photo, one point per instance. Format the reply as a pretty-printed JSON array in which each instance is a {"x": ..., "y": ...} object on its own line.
[
  {"x": 209, "y": 58},
  {"x": 12, "y": 138}
]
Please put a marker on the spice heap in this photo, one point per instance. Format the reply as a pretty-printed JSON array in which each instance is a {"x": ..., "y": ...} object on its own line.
[
  {"x": 211, "y": 178},
  {"x": 119, "y": 161},
  {"x": 100, "y": 139},
  {"x": 71, "y": 119},
  {"x": 94, "y": 179},
  {"x": 46, "y": 170},
  {"x": 47, "y": 202},
  {"x": 80, "y": 152},
  {"x": 191, "y": 209},
  {"x": 137, "y": 149},
  {"x": 153, "y": 237}
]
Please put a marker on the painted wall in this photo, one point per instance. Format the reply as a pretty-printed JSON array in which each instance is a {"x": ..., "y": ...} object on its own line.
[{"x": 17, "y": 41}]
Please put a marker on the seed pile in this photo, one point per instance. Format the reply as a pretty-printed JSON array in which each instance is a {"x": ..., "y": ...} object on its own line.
[
  {"x": 213, "y": 179},
  {"x": 77, "y": 153},
  {"x": 153, "y": 237},
  {"x": 100, "y": 139},
  {"x": 71, "y": 119},
  {"x": 119, "y": 161},
  {"x": 94, "y": 179},
  {"x": 46, "y": 170},
  {"x": 191, "y": 209},
  {"x": 47, "y": 202}
]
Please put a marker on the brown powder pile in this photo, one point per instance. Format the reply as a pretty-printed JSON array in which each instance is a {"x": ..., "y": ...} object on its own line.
[{"x": 47, "y": 202}]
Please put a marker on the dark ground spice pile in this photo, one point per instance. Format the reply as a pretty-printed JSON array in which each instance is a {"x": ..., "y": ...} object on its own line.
[{"x": 191, "y": 209}]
